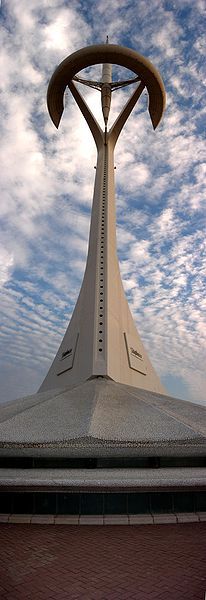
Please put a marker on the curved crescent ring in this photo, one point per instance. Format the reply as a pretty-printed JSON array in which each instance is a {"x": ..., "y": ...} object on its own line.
[{"x": 99, "y": 54}]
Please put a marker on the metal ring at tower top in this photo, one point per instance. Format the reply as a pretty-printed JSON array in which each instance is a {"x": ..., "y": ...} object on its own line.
[{"x": 99, "y": 54}]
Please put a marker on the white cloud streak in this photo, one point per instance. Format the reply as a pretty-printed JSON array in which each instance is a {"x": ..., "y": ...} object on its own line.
[{"x": 47, "y": 181}]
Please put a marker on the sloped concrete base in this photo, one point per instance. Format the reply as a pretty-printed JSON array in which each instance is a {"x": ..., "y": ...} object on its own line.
[{"x": 102, "y": 418}]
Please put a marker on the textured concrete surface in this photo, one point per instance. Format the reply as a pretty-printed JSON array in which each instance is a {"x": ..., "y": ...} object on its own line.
[
  {"x": 62, "y": 562},
  {"x": 101, "y": 414},
  {"x": 104, "y": 478}
]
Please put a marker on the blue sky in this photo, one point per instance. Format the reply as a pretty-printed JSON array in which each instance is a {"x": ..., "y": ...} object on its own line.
[{"x": 47, "y": 178}]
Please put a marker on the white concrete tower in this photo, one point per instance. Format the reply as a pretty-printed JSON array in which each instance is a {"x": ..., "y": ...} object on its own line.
[{"x": 102, "y": 339}]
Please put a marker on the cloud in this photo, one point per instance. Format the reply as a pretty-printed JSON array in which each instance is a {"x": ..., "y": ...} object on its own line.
[
  {"x": 48, "y": 177},
  {"x": 6, "y": 263}
]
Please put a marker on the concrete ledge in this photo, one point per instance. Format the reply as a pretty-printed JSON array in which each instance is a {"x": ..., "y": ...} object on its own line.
[
  {"x": 66, "y": 520},
  {"x": 4, "y": 518},
  {"x": 116, "y": 520},
  {"x": 179, "y": 478},
  {"x": 201, "y": 516},
  {"x": 91, "y": 520},
  {"x": 20, "y": 518},
  {"x": 164, "y": 518},
  {"x": 141, "y": 520},
  {"x": 43, "y": 519},
  {"x": 187, "y": 517}
]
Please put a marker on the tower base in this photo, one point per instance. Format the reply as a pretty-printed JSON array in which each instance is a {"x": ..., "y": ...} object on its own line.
[{"x": 102, "y": 448}]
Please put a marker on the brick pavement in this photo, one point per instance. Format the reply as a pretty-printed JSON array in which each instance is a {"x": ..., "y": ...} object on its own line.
[{"x": 145, "y": 562}]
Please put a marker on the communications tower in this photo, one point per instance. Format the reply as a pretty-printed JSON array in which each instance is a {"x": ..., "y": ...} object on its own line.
[
  {"x": 101, "y": 339},
  {"x": 101, "y": 421}
]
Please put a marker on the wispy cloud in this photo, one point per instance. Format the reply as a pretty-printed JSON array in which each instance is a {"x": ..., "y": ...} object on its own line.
[{"x": 47, "y": 181}]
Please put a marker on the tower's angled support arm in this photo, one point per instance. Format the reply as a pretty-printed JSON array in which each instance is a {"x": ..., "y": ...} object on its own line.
[
  {"x": 122, "y": 118},
  {"x": 91, "y": 121}
]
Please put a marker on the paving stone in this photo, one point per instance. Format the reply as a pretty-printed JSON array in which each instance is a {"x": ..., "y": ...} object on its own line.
[
  {"x": 42, "y": 519},
  {"x": 140, "y": 519},
  {"x": 20, "y": 518},
  {"x": 152, "y": 562}
]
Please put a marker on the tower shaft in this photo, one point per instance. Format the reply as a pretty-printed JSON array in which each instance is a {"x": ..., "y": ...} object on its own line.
[
  {"x": 101, "y": 339},
  {"x": 106, "y": 91}
]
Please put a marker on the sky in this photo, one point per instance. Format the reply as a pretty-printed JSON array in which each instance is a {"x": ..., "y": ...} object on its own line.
[{"x": 47, "y": 179}]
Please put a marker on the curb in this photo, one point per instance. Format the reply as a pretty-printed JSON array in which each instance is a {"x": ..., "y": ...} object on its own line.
[{"x": 144, "y": 519}]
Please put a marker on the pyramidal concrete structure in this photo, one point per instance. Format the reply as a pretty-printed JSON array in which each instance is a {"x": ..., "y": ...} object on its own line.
[{"x": 102, "y": 399}]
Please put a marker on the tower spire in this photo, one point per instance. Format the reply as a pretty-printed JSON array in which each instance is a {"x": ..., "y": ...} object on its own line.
[
  {"x": 106, "y": 90},
  {"x": 101, "y": 339}
]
